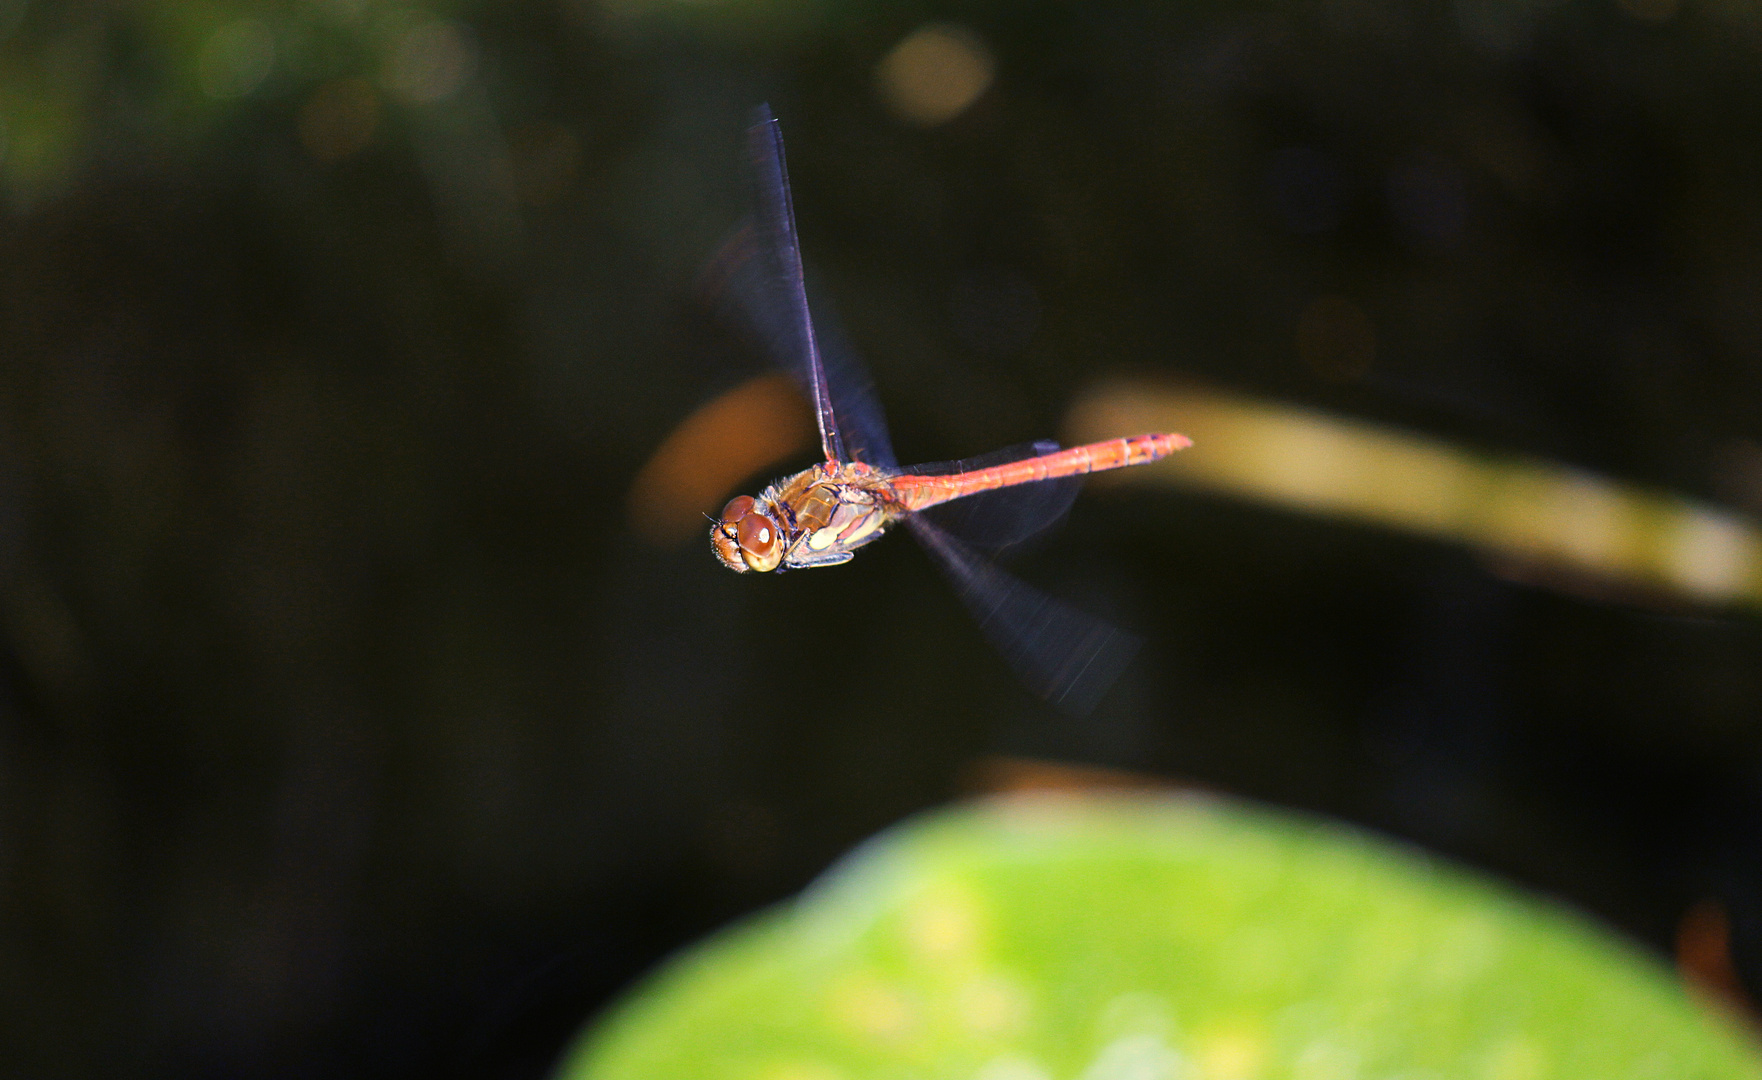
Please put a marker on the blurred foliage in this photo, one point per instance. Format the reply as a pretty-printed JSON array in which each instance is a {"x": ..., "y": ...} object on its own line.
[
  {"x": 79, "y": 81},
  {"x": 1551, "y": 523},
  {"x": 1157, "y": 939}
]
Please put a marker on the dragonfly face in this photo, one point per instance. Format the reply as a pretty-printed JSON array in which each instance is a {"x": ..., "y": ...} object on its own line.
[{"x": 745, "y": 538}]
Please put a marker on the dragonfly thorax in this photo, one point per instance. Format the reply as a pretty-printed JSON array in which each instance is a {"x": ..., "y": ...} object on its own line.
[{"x": 818, "y": 517}]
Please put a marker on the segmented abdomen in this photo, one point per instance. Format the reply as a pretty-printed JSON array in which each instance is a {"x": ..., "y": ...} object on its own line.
[{"x": 920, "y": 492}]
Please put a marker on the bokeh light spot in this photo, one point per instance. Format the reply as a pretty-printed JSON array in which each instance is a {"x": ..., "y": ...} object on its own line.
[
  {"x": 994, "y": 1005},
  {"x": 752, "y": 427},
  {"x": 1712, "y": 556},
  {"x": 943, "y": 926},
  {"x": 1136, "y": 1012},
  {"x": 429, "y": 62},
  {"x": 868, "y": 1007},
  {"x": 236, "y": 59},
  {"x": 1336, "y": 339},
  {"x": 339, "y": 119},
  {"x": 1136, "y": 1057},
  {"x": 1230, "y": 1055},
  {"x": 935, "y": 74}
]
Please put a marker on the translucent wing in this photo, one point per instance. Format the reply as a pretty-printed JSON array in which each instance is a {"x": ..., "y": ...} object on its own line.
[
  {"x": 743, "y": 291},
  {"x": 861, "y": 423},
  {"x": 779, "y": 248},
  {"x": 1063, "y": 655},
  {"x": 983, "y": 461},
  {"x": 996, "y": 519},
  {"x": 757, "y": 280}
]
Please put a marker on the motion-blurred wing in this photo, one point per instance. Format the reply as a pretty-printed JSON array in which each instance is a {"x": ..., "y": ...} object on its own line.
[
  {"x": 764, "y": 278},
  {"x": 779, "y": 256},
  {"x": 1004, "y": 516},
  {"x": 1063, "y": 655},
  {"x": 861, "y": 423},
  {"x": 757, "y": 281}
]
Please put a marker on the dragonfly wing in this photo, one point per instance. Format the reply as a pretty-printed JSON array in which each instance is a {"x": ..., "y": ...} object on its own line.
[
  {"x": 778, "y": 256},
  {"x": 757, "y": 279},
  {"x": 983, "y": 461},
  {"x": 1003, "y": 516},
  {"x": 861, "y": 424},
  {"x": 739, "y": 284},
  {"x": 1063, "y": 655}
]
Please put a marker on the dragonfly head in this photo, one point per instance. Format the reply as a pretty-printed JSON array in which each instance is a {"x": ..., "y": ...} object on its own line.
[{"x": 745, "y": 539}]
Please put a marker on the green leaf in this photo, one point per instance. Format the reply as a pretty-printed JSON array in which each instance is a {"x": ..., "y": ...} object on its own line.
[{"x": 1117, "y": 938}]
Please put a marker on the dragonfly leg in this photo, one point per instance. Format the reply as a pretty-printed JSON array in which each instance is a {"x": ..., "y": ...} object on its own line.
[{"x": 802, "y": 558}]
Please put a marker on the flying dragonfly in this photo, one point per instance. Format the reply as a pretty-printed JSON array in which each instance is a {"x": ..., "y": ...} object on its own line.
[{"x": 822, "y": 515}]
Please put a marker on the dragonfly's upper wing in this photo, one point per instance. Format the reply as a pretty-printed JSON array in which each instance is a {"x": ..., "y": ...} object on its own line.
[
  {"x": 739, "y": 281},
  {"x": 759, "y": 274},
  {"x": 1003, "y": 516},
  {"x": 861, "y": 424},
  {"x": 1065, "y": 656},
  {"x": 779, "y": 255}
]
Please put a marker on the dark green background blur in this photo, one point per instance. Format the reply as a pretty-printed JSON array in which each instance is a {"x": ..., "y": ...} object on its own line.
[{"x": 348, "y": 726}]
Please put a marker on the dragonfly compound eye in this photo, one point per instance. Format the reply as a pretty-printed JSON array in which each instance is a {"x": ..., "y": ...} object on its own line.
[
  {"x": 744, "y": 539},
  {"x": 760, "y": 545},
  {"x": 737, "y": 508}
]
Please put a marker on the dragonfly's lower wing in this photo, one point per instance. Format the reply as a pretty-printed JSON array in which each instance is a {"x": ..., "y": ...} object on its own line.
[
  {"x": 1063, "y": 655},
  {"x": 1002, "y": 516}
]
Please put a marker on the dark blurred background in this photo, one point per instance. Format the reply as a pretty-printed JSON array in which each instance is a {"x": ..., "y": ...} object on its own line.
[{"x": 350, "y": 725}]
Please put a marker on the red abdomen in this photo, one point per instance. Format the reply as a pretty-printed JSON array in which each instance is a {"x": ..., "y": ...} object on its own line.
[{"x": 920, "y": 492}]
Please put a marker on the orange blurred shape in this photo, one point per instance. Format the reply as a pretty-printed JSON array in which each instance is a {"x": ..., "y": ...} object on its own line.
[
  {"x": 1011, "y": 775},
  {"x": 754, "y": 426},
  {"x": 1703, "y": 956}
]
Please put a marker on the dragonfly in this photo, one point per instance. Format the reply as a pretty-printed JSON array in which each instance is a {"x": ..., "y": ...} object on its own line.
[{"x": 824, "y": 514}]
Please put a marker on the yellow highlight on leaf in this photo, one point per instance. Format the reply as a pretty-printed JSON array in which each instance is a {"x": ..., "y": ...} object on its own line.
[
  {"x": 994, "y": 1005},
  {"x": 1230, "y": 1055},
  {"x": 868, "y": 1007},
  {"x": 943, "y": 926}
]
